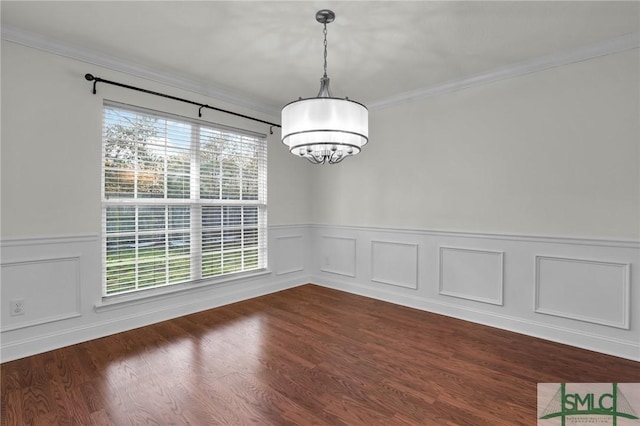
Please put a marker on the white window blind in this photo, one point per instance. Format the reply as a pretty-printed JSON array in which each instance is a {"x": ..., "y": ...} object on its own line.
[{"x": 182, "y": 200}]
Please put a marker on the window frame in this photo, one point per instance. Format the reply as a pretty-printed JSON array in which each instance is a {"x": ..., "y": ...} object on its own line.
[{"x": 195, "y": 203}]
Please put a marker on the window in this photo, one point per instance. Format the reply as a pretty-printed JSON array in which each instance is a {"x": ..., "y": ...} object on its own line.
[{"x": 182, "y": 200}]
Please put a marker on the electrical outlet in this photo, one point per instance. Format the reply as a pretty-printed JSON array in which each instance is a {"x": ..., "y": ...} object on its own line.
[{"x": 17, "y": 307}]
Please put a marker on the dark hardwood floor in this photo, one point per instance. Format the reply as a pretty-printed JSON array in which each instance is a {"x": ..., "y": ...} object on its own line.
[{"x": 304, "y": 356}]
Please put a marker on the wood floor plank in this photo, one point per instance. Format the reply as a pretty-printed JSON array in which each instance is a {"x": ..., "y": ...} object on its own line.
[{"x": 305, "y": 356}]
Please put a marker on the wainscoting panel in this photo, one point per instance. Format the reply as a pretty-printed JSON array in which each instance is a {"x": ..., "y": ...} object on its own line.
[
  {"x": 60, "y": 281},
  {"x": 471, "y": 274},
  {"x": 289, "y": 255},
  {"x": 338, "y": 255},
  {"x": 585, "y": 290},
  {"x": 394, "y": 263},
  {"x": 579, "y": 292},
  {"x": 48, "y": 288}
]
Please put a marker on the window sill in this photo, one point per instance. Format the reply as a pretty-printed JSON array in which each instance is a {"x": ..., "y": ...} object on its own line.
[{"x": 140, "y": 297}]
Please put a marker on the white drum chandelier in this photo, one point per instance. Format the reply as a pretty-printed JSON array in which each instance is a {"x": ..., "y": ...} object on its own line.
[{"x": 325, "y": 129}]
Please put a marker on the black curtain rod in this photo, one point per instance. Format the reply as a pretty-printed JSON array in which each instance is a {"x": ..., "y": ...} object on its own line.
[{"x": 97, "y": 80}]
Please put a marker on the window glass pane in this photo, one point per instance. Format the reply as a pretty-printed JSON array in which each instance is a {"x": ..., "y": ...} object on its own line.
[
  {"x": 231, "y": 240},
  {"x": 231, "y": 262},
  {"x": 152, "y": 272},
  {"x": 179, "y": 269},
  {"x": 230, "y": 169},
  {"x": 151, "y": 245},
  {"x": 178, "y": 186},
  {"x": 178, "y": 161},
  {"x": 179, "y": 217},
  {"x": 179, "y": 244},
  {"x": 211, "y": 264},
  {"x": 251, "y": 259},
  {"x": 250, "y": 177},
  {"x": 121, "y": 219},
  {"x": 250, "y": 215},
  {"x": 211, "y": 217},
  {"x": 230, "y": 189},
  {"x": 150, "y": 184},
  {"x": 120, "y": 262},
  {"x": 150, "y": 156},
  {"x": 151, "y": 218},
  {"x": 119, "y": 183},
  {"x": 179, "y": 146},
  {"x": 232, "y": 217},
  {"x": 250, "y": 237},
  {"x": 179, "y": 257},
  {"x": 211, "y": 143},
  {"x": 178, "y": 158},
  {"x": 211, "y": 241},
  {"x": 120, "y": 249},
  {"x": 209, "y": 178},
  {"x": 121, "y": 278},
  {"x": 249, "y": 189},
  {"x": 230, "y": 178},
  {"x": 151, "y": 260},
  {"x": 125, "y": 138}
]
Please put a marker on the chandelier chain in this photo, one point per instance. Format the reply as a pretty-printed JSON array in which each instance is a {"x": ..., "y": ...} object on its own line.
[{"x": 325, "y": 49}]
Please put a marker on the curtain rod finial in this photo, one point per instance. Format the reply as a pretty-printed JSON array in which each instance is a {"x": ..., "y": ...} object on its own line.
[{"x": 89, "y": 77}]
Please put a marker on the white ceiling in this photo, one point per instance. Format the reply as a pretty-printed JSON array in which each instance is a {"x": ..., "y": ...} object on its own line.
[{"x": 271, "y": 52}]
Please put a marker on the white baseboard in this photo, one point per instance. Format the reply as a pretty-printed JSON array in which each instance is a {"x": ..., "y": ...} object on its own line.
[
  {"x": 70, "y": 336},
  {"x": 620, "y": 348}
]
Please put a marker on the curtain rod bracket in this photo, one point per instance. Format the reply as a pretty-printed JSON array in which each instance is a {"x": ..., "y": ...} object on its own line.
[
  {"x": 200, "y": 109},
  {"x": 90, "y": 77}
]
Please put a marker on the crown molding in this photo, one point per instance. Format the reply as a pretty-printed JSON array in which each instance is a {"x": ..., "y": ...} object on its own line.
[
  {"x": 606, "y": 47},
  {"x": 92, "y": 57}
]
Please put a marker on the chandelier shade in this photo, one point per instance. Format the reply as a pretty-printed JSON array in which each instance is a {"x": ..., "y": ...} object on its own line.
[{"x": 325, "y": 129}]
